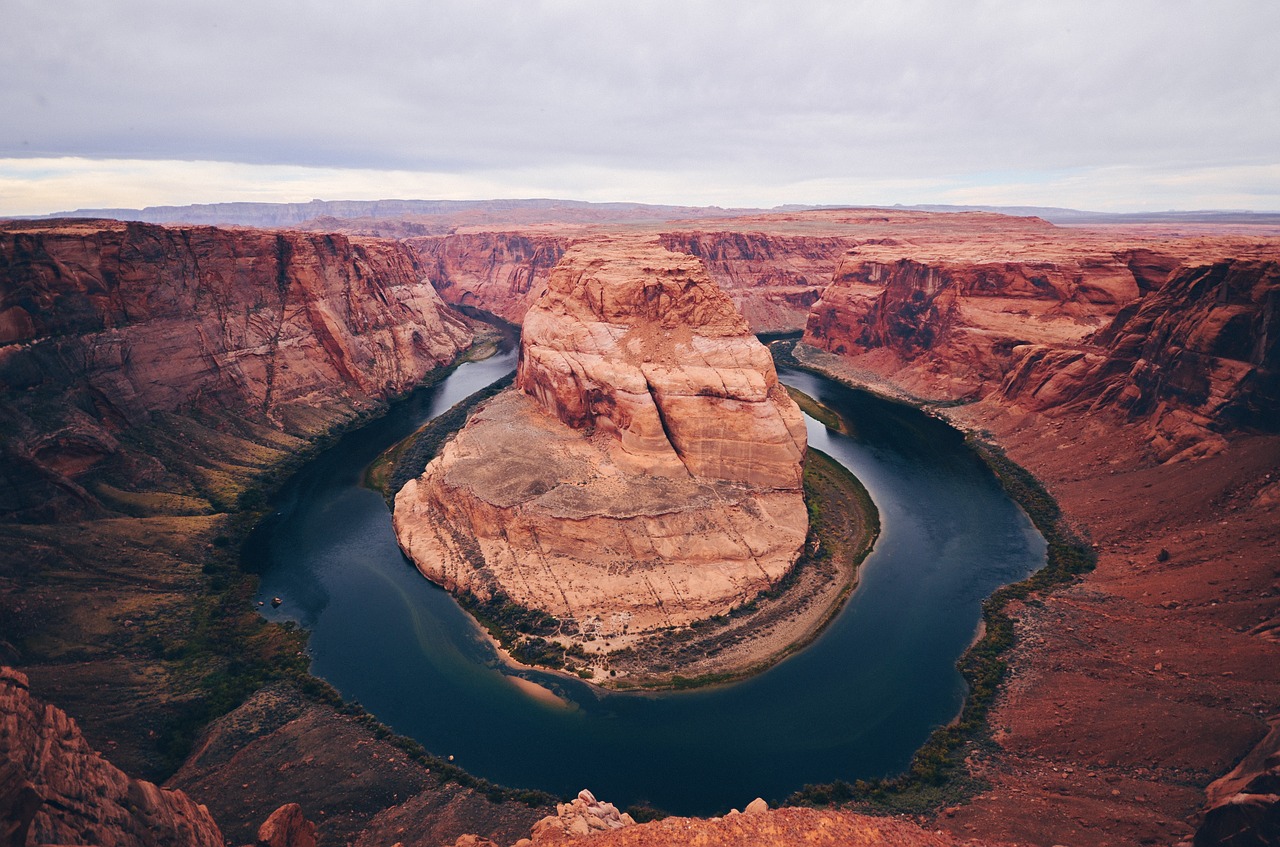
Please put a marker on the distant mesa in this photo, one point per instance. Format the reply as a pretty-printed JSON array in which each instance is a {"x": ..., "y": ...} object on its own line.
[{"x": 645, "y": 471}]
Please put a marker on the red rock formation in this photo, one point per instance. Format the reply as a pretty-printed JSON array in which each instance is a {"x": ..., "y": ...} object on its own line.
[
  {"x": 648, "y": 473},
  {"x": 82, "y": 798},
  {"x": 103, "y": 324},
  {"x": 772, "y": 278},
  {"x": 963, "y": 317},
  {"x": 776, "y": 828},
  {"x": 1200, "y": 356},
  {"x": 287, "y": 827}
]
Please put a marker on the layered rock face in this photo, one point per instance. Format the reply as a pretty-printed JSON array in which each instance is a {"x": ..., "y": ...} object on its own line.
[
  {"x": 773, "y": 279},
  {"x": 105, "y": 324},
  {"x": 1200, "y": 355},
  {"x": 499, "y": 272},
  {"x": 964, "y": 317},
  {"x": 645, "y": 472},
  {"x": 67, "y": 794}
]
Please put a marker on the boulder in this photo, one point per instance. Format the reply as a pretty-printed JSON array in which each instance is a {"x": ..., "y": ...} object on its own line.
[{"x": 287, "y": 827}]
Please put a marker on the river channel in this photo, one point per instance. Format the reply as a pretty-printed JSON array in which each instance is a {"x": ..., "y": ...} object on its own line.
[{"x": 854, "y": 704}]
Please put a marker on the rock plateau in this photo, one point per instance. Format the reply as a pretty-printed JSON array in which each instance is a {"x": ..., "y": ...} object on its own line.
[{"x": 646, "y": 470}]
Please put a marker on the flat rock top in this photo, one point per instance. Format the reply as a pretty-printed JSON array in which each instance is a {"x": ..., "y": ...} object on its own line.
[
  {"x": 637, "y": 283},
  {"x": 515, "y": 453}
]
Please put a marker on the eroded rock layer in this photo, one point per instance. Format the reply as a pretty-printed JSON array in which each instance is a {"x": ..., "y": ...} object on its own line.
[
  {"x": 1197, "y": 358},
  {"x": 963, "y": 316},
  {"x": 644, "y": 473},
  {"x": 68, "y": 794},
  {"x": 105, "y": 325}
]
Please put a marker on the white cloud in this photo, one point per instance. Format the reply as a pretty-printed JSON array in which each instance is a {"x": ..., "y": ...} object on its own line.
[
  {"x": 713, "y": 97},
  {"x": 39, "y": 186}
]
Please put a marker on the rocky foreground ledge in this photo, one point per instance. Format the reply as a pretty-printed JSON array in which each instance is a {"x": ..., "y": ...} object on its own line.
[{"x": 645, "y": 473}]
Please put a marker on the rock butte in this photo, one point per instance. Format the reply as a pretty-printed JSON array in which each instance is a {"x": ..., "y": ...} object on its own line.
[{"x": 646, "y": 470}]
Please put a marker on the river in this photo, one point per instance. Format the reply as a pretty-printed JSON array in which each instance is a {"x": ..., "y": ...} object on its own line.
[{"x": 854, "y": 704}]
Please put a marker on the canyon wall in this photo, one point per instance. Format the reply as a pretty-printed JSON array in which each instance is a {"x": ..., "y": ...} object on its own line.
[
  {"x": 1198, "y": 358},
  {"x": 645, "y": 472},
  {"x": 104, "y": 325},
  {"x": 55, "y": 789},
  {"x": 772, "y": 279},
  {"x": 951, "y": 325},
  {"x": 499, "y": 272}
]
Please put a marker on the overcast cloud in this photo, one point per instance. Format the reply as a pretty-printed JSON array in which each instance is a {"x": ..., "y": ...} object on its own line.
[{"x": 1134, "y": 105}]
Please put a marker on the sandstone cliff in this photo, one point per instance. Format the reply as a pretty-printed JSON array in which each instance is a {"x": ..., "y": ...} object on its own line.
[
  {"x": 499, "y": 272},
  {"x": 961, "y": 318},
  {"x": 104, "y": 325},
  {"x": 1197, "y": 358},
  {"x": 772, "y": 278},
  {"x": 646, "y": 472},
  {"x": 54, "y": 789}
]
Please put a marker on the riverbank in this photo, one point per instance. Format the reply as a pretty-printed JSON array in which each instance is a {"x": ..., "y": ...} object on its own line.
[{"x": 1124, "y": 692}]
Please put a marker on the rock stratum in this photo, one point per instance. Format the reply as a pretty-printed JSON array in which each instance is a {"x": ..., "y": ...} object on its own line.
[
  {"x": 646, "y": 470},
  {"x": 105, "y": 325}
]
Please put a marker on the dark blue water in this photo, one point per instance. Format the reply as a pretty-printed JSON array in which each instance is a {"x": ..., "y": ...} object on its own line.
[{"x": 855, "y": 704}]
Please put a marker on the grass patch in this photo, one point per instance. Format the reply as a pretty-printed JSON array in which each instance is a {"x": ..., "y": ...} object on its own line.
[{"x": 816, "y": 410}]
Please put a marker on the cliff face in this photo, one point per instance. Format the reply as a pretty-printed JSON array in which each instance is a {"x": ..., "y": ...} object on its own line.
[
  {"x": 645, "y": 473},
  {"x": 499, "y": 272},
  {"x": 67, "y": 794},
  {"x": 773, "y": 279},
  {"x": 1201, "y": 355},
  {"x": 953, "y": 324},
  {"x": 104, "y": 325}
]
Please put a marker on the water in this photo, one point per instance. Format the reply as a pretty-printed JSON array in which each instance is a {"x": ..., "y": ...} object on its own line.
[{"x": 855, "y": 704}]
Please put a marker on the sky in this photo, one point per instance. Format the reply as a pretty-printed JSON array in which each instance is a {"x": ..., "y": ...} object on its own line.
[{"x": 1141, "y": 105}]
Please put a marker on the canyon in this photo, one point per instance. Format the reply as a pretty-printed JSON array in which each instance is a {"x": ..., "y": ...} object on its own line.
[{"x": 152, "y": 375}]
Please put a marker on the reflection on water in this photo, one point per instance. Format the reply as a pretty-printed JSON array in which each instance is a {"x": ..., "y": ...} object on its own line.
[{"x": 854, "y": 704}]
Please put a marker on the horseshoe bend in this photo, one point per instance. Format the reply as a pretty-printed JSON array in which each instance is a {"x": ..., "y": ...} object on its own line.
[
  {"x": 161, "y": 381},
  {"x": 643, "y": 474}
]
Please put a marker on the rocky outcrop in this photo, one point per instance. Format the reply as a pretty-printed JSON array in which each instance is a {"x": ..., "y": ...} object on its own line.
[
  {"x": 1197, "y": 358},
  {"x": 104, "y": 325},
  {"x": 776, "y": 828},
  {"x": 1244, "y": 806},
  {"x": 59, "y": 791},
  {"x": 287, "y": 827},
  {"x": 584, "y": 815},
  {"x": 646, "y": 472}
]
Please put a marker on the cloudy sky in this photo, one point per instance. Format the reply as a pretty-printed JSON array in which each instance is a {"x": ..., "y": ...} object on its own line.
[{"x": 1135, "y": 105}]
